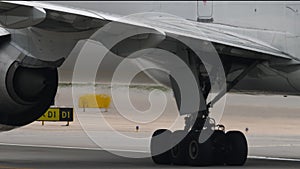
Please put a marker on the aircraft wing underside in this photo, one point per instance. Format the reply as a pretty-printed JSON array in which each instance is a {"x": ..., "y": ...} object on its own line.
[{"x": 19, "y": 14}]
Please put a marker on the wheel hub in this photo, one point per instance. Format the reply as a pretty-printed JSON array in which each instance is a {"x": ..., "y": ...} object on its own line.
[
  {"x": 175, "y": 151},
  {"x": 193, "y": 149}
]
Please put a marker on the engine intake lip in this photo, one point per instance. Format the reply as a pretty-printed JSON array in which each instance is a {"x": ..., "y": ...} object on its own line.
[
  {"x": 29, "y": 86},
  {"x": 9, "y": 84}
]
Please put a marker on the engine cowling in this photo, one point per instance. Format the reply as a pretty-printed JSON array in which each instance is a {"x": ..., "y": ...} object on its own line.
[{"x": 26, "y": 92}]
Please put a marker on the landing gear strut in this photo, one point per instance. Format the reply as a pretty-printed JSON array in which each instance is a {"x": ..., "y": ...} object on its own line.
[
  {"x": 202, "y": 142},
  {"x": 189, "y": 148}
]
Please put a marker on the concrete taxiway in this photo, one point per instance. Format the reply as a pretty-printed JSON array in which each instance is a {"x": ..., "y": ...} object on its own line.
[
  {"x": 273, "y": 136},
  {"x": 25, "y": 157}
]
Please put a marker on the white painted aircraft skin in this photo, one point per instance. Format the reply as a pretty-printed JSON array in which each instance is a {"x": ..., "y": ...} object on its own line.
[
  {"x": 268, "y": 27},
  {"x": 275, "y": 23},
  {"x": 271, "y": 23}
]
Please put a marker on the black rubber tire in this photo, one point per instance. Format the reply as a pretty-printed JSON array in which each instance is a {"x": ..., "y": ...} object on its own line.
[
  {"x": 236, "y": 148},
  {"x": 219, "y": 143},
  {"x": 179, "y": 151},
  {"x": 202, "y": 154},
  {"x": 158, "y": 143}
]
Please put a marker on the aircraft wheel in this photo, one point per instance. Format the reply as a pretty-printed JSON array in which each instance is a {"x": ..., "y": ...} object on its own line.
[
  {"x": 219, "y": 143},
  {"x": 236, "y": 148},
  {"x": 161, "y": 141},
  {"x": 179, "y": 151},
  {"x": 199, "y": 154}
]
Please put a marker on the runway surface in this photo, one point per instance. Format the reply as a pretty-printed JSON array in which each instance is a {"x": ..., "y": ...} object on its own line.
[{"x": 55, "y": 158}]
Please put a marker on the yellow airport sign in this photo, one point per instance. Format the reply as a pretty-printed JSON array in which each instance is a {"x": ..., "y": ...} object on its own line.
[
  {"x": 57, "y": 114},
  {"x": 94, "y": 101}
]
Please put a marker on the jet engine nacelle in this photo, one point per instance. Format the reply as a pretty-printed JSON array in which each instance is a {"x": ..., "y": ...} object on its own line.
[{"x": 26, "y": 92}]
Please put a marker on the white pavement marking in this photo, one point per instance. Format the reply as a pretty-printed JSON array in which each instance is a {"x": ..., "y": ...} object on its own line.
[
  {"x": 274, "y": 158},
  {"x": 66, "y": 147},
  {"x": 275, "y": 145}
]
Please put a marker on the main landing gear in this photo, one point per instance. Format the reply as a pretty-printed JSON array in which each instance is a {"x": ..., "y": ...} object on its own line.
[
  {"x": 201, "y": 142},
  {"x": 185, "y": 148}
]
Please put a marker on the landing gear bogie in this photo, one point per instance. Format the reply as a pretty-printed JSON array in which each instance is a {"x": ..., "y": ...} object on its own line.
[{"x": 218, "y": 149}]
